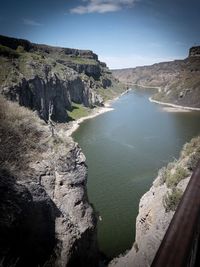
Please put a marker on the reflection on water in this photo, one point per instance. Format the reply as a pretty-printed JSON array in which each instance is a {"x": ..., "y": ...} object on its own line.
[{"x": 124, "y": 150}]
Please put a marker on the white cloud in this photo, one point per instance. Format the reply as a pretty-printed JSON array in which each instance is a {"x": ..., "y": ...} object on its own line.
[
  {"x": 31, "y": 22},
  {"x": 102, "y": 6},
  {"x": 131, "y": 61}
]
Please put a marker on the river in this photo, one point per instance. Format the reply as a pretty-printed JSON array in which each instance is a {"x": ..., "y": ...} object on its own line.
[{"x": 125, "y": 149}]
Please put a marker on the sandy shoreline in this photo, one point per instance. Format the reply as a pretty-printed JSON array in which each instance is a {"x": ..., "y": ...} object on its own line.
[
  {"x": 177, "y": 108},
  {"x": 94, "y": 113},
  {"x": 174, "y": 108}
]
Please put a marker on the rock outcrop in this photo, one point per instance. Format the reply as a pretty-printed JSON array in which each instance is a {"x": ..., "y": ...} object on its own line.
[
  {"x": 46, "y": 78},
  {"x": 178, "y": 81},
  {"x": 194, "y": 51},
  {"x": 45, "y": 216}
]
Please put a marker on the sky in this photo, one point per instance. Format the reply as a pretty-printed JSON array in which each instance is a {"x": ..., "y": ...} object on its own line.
[{"x": 124, "y": 33}]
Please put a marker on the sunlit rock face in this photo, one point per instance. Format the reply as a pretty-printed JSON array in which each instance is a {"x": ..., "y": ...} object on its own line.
[{"x": 47, "y": 78}]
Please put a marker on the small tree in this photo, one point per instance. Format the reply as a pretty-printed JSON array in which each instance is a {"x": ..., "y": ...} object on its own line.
[
  {"x": 20, "y": 49},
  {"x": 171, "y": 200}
]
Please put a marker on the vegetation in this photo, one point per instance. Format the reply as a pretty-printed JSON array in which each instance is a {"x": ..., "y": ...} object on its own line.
[
  {"x": 81, "y": 60},
  {"x": 20, "y": 49},
  {"x": 193, "y": 160},
  {"x": 174, "y": 178},
  {"x": 165, "y": 172},
  {"x": 20, "y": 135},
  {"x": 177, "y": 171},
  {"x": 111, "y": 92},
  {"x": 8, "y": 52},
  {"x": 172, "y": 199},
  {"x": 78, "y": 111},
  {"x": 192, "y": 146}
]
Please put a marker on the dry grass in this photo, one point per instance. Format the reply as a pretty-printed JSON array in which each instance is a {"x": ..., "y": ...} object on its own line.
[
  {"x": 21, "y": 135},
  {"x": 173, "y": 179},
  {"x": 172, "y": 199}
]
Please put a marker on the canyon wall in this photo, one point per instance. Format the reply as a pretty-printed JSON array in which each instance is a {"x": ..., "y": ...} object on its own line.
[
  {"x": 46, "y": 78},
  {"x": 178, "y": 81},
  {"x": 46, "y": 218}
]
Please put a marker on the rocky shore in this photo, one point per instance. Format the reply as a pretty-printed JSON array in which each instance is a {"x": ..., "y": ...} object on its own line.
[{"x": 175, "y": 107}]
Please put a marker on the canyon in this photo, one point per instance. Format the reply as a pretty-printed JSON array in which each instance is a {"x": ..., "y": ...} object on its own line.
[
  {"x": 177, "y": 81},
  {"x": 46, "y": 218}
]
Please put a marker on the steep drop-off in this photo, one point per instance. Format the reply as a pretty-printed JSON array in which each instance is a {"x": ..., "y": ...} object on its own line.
[
  {"x": 178, "y": 81},
  {"x": 45, "y": 216},
  {"x": 157, "y": 206}
]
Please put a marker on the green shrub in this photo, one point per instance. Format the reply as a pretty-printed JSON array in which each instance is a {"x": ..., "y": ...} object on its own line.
[
  {"x": 8, "y": 52},
  {"x": 173, "y": 179},
  {"x": 171, "y": 200},
  {"x": 20, "y": 49},
  {"x": 193, "y": 160},
  {"x": 165, "y": 172},
  {"x": 78, "y": 111},
  {"x": 192, "y": 146}
]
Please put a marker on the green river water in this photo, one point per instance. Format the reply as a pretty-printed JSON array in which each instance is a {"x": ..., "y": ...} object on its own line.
[{"x": 125, "y": 149}]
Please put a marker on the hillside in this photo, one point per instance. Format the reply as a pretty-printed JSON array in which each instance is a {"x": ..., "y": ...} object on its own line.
[
  {"x": 46, "y": 78},
  {"x": 179, "y": 80}
]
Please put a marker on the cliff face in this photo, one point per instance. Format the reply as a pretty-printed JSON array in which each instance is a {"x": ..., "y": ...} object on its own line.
[
  {"x": 179, "y": 80},
  {"x": 45, "y": 215},
  {"x": 157, "y": 206},
  {"x": 46, "y": 78},
  {"x": 194, "y": 51}
]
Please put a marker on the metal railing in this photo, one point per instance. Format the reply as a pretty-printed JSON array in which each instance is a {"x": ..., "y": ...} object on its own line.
[{"x": 180, "y": 246}]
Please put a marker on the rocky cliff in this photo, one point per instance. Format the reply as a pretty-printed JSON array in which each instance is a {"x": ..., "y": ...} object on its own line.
[
  {"x": 45, "y": 217},
  {"x": 178, "y": 81},
  {"x": 46, "y": 78},
  {"x": 157, "y": 206},
  {"x": 194, "y": 51}
]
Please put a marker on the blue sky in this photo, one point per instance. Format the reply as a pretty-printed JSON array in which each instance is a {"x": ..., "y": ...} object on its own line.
[{"x": 124, "y": 33}]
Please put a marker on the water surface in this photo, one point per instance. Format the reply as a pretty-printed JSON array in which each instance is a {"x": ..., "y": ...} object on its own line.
[{"x": 124, "y": 150}]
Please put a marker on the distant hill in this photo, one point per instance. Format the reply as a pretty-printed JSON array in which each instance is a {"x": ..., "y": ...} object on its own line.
[{"x": 179, "y": 80}]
